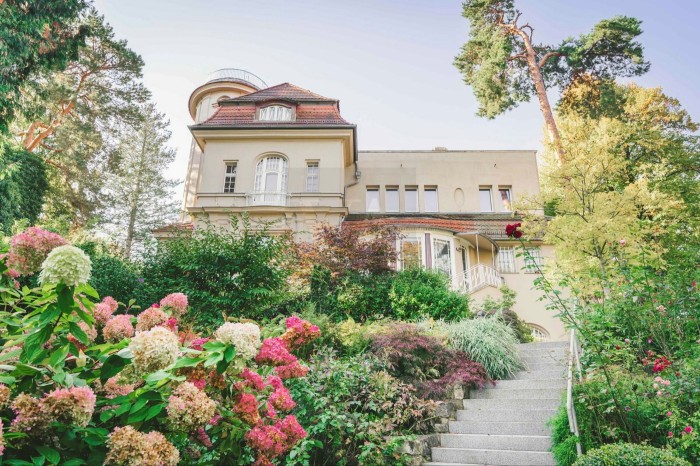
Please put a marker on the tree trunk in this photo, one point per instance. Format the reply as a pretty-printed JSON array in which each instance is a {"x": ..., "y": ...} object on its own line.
[
  {"x": 133, "y": 211},
  {"x": 541, "y": 91}
]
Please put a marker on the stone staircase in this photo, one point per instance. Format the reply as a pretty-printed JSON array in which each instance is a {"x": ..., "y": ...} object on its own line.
[{"x": 506, "y": 425}]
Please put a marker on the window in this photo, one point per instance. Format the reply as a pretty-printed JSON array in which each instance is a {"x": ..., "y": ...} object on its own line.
[
  {"x": 485, "y": 200},
  {"x": 506, "y": 260},
  {"x": 372, "y": 199},
  {"x": 533, "y": 259},
  {"x": 271, "y": 181},
  {"x": 431, "y": 199},
  {"x": 392, "y": 199},
  {"x": 230, "y": 177},
  {"x": 411, "y": 199},
  {"x": 312, "y": 173},
  {"x": 275, "y": 113},
  {"x": 411, "y": 252},
  {"x": 538, "y": 333},
  {"x": 505, "y": 199},
  {"x": 442, "y": 257}
]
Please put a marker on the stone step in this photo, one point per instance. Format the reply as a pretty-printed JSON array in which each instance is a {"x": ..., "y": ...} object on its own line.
[
  {"x": 497, "y": 442},
  {"x": 431, "y": 463},
  {"x": 536, "y": 351},
  {"x": 543, "y": 365},
  {"x": 505, "y": 415},
  {"x": 558, "y": 382},
  {"x": 517, "y": 394},
  {"x": 544, "y": 344},
  {"x": 498, "y": 428},
  {"x": 557, "y": 372},
  {"x": 499, "y": 457},
  {"x": 511, "y": 405}
]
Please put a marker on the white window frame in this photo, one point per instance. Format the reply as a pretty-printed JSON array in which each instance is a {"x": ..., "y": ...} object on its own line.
[
  {"x": 533, "y": 259},
  {"x": 450, "y": 247},
  {"x": 393, "y": 197},
  {"x": 508, "y": 189},
  {"x": 506, "y": 260},
  {"x": 268, "y": 165},
  {"x": 275, "y": 113},
  {"x": 414, "y": 190},
  {"x": 230, "y": 177},
  {"x": 432, "y": 189},
  {"x": 313, "y": 176},
  {"x": 481, "y": 207},
  {"x": 414, "y": 238},
  {"x": 373, "y": 189}
]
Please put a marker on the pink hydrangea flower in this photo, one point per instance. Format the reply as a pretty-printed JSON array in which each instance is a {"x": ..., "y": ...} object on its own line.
[
  {"x": 151, "y": 317},
  {"x": 251, "y": 379},
  {"x": 73, "y": 405},
  {"x": 274, "y": 352},
  {"x": 281, "y": 399},
  {"x": 291, "y": 371},
  {"x": 299, "y": 332},
  {"x": 29, "y": 249},
  {"x": 176, "y": 303},
  {"x": 111, "y": 303},
  {"x": 102, "y": 313},
  {"x": 118, "y": 328},
  {"x": 247, "y": 408}
]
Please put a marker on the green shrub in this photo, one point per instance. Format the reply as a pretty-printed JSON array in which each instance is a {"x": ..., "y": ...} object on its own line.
[
  {"x": 630, "y": 454},
  {"x": 354, "y": 413},
  {"x": 238, "y": 273},
  {"x": 488, "y": 341},
  {"x": 420, "y": 293},
  {"x": 111, "y": 275},
  {"x": 362, "y": 297},
  {"x": 563, "y": 441}
]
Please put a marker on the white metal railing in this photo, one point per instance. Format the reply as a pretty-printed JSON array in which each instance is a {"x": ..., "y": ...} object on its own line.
[
  {"x": 235, "y": 74},
  {"x": 481, "y": 276},
  {"x": 574, "y": 359},
  {"x": 267, "y": 198}
]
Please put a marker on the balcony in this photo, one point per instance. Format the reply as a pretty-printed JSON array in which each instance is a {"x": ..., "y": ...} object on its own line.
[
  {"x": 267, "y": 198},
  {"x": 480, "y": 276},
  {"x": 237, "y": 75}
]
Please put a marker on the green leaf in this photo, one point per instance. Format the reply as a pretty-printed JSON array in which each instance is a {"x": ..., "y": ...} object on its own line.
[
  {"x": 153, "y": 411},
  {"x": 50, "y": 454},
  {"x": 78, "y": 333},
  {"x": 50, "y": 314},
  {"x": 59, "y": 355},
  {"x": 214, "y": 358},
  {"x": 187, "y": 362},
  {"x": 74, "y": 462},
  {"x": 7, "y": 379},
  {"x": 89, "y": 290},
  {"x": 34, "y": 342},
  {"x": 106, "y": 415},
  {"x": 111, "y": 367},
  {"x": 140, "y": 403},
  {"x": 230, "y": 353},
  {"x": 213, "y": 345},
  {"x": 156, "y": 376}
]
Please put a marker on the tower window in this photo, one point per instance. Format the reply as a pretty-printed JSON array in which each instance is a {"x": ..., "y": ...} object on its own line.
[
  {"x": 275, "y": 113},
  {"x": 392, "y": 199},
  {"x": 411, "y": 199},
  {"x": 485, "y": 202},
  {"x": 504, "y": 193},
  {"x": 372, "y": 204},
  {"x": 230, "y": 177},
  {"x": 431, "y": 199}
]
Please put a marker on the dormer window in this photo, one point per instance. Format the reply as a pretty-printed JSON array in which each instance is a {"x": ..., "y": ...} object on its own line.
[{"x": 275, "y": 113}]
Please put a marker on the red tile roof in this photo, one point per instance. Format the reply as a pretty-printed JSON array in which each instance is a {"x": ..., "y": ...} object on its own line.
[
  {"x": 311, "y": 109},
  {"x": 284, "y": 91}
]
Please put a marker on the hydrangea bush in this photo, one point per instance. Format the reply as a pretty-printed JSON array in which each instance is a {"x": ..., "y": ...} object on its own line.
[{"x": 85, "y": 383}]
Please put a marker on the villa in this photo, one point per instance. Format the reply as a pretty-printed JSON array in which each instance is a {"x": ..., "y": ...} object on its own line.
[{"x": 286, "y": 156}]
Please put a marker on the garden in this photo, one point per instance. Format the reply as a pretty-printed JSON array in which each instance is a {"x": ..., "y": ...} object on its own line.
[{"x": 232, "y": 348}]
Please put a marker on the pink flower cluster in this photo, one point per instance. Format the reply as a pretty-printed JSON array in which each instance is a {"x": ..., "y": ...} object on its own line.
[
  {"x": 151, "y": 317},
  {"x": 276, "y": 351},
  {"x": 176, "y": 303},
  {"x": 272, "y": 441},
  {"x": 103, "y": 311},
  {"x": 71, "y": 406},
  {"x": 29, "y": 249},
  {"x": 118, "y": 328},
  {"x": 299, "y": 332}
]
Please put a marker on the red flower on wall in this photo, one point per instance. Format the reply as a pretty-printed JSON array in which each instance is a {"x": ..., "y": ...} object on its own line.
[{"x": 512, "y": 230}]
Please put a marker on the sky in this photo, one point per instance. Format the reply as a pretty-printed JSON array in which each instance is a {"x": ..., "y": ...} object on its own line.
[{"x": 389, "y": 62}]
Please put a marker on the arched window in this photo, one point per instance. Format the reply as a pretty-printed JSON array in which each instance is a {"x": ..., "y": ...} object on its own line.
[
  {"x": 538, "y": 333},
  {"x": 271, "y": 181},
  {"x": 275, "y": 113}
]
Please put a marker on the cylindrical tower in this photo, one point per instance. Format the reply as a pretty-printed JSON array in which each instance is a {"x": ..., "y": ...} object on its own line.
[{"x": 226, "y": 83}]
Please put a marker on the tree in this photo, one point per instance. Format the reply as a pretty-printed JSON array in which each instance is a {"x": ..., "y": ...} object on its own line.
[
  {"x": 22, "y": 185},
  {"x": 138, "y": 195},
  {"x": 505, "y": 67},
  {"x": 67, "y": 118},
  {"x": 35, "y": 36}
]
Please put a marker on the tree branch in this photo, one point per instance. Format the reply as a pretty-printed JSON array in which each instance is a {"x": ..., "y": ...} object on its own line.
[{"x": 547, "y": 56}]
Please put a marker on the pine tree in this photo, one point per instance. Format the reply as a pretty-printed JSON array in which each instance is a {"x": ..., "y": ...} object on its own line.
[{"x": 138, "y": 196}]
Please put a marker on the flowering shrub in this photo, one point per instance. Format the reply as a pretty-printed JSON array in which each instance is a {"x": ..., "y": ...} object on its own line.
[
  {"x": 146, "y": 396},
  {"x": 29, "y": 249},
  {"x": 425, "y": 361},
  {"x": 627, "y": 454}
]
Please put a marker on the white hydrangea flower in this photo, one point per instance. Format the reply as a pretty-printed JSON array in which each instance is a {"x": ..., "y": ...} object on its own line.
[
  {"x": 245, "y": 337},
  {"x": 154, "y": 349},
  {"x": 66, "y": 264}
]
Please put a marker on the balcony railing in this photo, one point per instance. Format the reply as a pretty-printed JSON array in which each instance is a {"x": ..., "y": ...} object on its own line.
[
  {"x": 263, "y": 198},
  {"x": 235, "y": 74},
  {"x": 480, "y": 276}
]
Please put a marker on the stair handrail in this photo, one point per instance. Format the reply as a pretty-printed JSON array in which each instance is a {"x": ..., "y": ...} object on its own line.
[{"x": 574, "y": 359}]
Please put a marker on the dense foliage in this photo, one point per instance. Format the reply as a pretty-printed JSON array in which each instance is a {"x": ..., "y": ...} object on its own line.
[
  {"x": 23, "y": 184},
  {"x": 235, "y": 273},
  {"x": 488, "y": 341},
  {"x": 629, "y": 454},
  {"x": 424, "y": 361},
  {"x": 354, "y": 413},
  {"x": 419, "y": 293}
]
